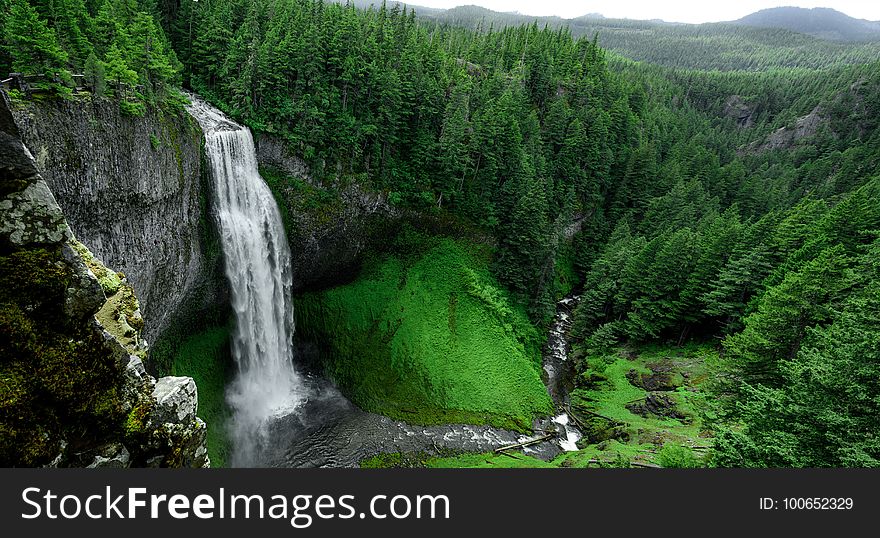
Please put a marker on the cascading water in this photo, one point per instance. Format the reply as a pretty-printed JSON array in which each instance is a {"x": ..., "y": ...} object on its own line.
[{"x": 258, "y": 268}]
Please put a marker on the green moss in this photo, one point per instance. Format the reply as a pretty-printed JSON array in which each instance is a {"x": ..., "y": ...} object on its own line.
[
  {"x": 172, "y": 130},
  {"x": 297, "y": 197},
  {"x": 396, "y": 460},
  {"x": 673, "y": 456},
  {"x": 36, "y": 280},
  {"x": 603, "y": 389},
  {"x": 489, "y": 460},
  {"x": 205, "y": 357},
  {"x": 119, "y": 316},
  {"x": 137, "y": 418},
  {"x": 57, "y": 378},
  {"x": 430, "y": 338},
  {"x": 109, "y": 280}
]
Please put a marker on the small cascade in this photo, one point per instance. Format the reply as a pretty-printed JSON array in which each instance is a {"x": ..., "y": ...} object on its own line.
[{"x": 558, "y": 371}]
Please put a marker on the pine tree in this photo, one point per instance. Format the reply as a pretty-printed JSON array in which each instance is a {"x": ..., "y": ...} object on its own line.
[
  {"x": 117, "y": 68},
  {"x": 776, "y": 330},
  {"x": 453, "y": 154},
  {"x": 95, "y": 75},
  {"x": 32, "y": 45}
]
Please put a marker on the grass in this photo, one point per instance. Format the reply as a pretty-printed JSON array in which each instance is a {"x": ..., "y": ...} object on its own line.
[
  {"x": 427, "y": 336},
  {"x": 566, "y": 278},
  {"x": 610, "y": 396},
  {"x": 205, "y": 357},
  {"x": 488, "y": 461}
]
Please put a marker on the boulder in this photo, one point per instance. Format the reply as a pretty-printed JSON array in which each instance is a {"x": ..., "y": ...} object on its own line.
[{"x": 176, "y": 400}]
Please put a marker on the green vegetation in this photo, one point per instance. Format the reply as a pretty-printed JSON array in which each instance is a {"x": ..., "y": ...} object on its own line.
[
  {"x": 728, "y": 218},
  {"x": 426, "y": 335},
  {"x": 443, "y": 120},
  {"x": 642, "y": 400},
  {"x": 715, "y": 205},
  {"x": 488, "y": 461},
  {"x": 205, "y": 357},
  {"x": 58, "y": 381},
  {"x": 674, "y": 456},
  {"x": 116, "y": 44},
  {"x": 710, "y": 47}
]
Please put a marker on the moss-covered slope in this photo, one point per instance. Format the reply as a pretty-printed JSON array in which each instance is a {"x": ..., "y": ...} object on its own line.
[{"x": 429, "y": 338}]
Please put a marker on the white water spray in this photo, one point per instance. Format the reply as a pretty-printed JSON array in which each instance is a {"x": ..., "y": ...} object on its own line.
[{"x": 258, "y": 268}]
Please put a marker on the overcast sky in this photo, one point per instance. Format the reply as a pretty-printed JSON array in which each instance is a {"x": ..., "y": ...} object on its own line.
[{"x": 694, "y": 11}]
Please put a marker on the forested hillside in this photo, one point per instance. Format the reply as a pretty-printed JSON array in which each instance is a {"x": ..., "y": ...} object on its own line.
[
  {"x": 712, "y": 46},
  {"x": 118, "y": 45},
  {"x": 688, "y": 197}
]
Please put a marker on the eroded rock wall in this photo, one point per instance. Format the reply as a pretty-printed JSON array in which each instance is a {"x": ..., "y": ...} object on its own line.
[
  {"x": 133, "y": 191},
  {"x": 75, "y": 391}
]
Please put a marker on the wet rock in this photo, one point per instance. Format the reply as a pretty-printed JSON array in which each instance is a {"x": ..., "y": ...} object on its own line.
[
  {"x": 328, "y": 242},
  {"x": 272, "y": 152},
  {"x": 660, "y": 379},
  {"x": 597, "y": 430}
]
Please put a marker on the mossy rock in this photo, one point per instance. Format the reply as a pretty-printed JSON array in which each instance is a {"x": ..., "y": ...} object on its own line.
[{"x": 59, "y": 380}]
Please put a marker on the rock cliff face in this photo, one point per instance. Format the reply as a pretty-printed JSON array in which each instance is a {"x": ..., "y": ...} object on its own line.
[
  {"x": 75, "y": 392},
  {"x": 133, "y": 191},
  {"x": 329, "y": 230},
  {"x": 738, "y": 110},
  {"x": 805, "y": 127}
]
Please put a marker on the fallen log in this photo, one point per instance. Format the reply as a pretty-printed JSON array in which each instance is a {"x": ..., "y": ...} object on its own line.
[
  {"x": 578, "y": 422},
  {"x": 524, "y": 444}
]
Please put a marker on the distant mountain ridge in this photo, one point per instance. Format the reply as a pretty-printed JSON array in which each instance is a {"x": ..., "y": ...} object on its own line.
[
  {"x": 824, "y": 23},
  {"x": 749, "y": 44}
]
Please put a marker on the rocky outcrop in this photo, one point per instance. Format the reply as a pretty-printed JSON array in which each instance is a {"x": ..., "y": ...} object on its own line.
[
  {"x": 738, "y": 110},
  {"x": 273, "y": 153},
  {"x": 788, "y": 137},
  {"x": 133, "y": 190},
  {"x": 75, "y": 391},
  {"x": 329, "y": 230}
]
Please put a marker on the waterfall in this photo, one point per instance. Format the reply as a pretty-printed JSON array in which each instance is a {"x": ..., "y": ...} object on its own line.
[{"x": 257, "y": 259}]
